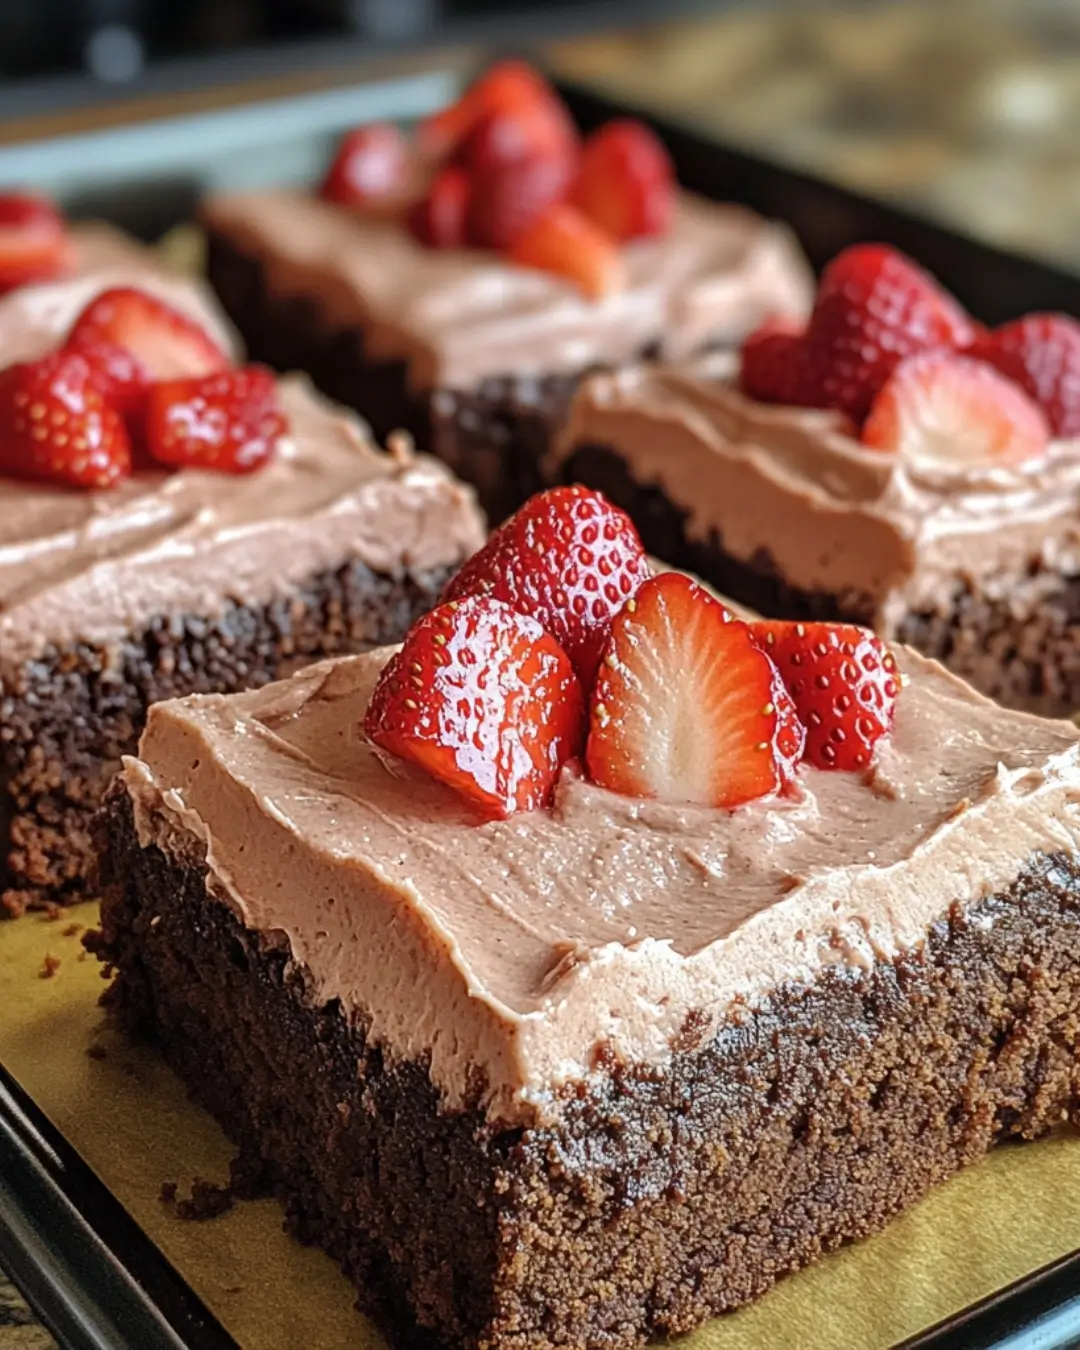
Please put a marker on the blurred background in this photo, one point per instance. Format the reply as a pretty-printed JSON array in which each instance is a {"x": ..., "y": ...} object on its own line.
[{"x": 964, "y": 111}]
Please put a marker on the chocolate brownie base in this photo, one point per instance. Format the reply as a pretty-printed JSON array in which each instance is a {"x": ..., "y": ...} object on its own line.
[
  {"x": 1019, "y": 644},
  {"x": 661, "y": 1197},
  {"x": 66, "y": 719},
  {"x": 494, "y": 435}
]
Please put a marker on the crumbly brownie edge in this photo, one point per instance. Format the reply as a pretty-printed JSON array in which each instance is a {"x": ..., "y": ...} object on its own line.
[
  {"x": 661, "y": 1197},
  {"x": 495, "y": 435},
  {"x": 66, "y": 719},
  {"x": 1019, "y": 644}
]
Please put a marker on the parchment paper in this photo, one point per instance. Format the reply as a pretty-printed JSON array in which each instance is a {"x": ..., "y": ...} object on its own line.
[{"x": 128, "y": 1117}]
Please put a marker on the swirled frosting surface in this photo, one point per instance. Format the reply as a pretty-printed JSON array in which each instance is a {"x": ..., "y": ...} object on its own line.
[{"x": 514, "y": 952}]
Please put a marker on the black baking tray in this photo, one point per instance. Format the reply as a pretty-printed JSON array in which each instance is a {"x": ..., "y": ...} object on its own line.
[{"x": 91, "y": 1274}]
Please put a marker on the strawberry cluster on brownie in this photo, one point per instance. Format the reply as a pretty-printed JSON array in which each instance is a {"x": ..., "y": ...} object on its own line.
[
  {"x": 554, "y": 644},
  {"x": 636, "y": 956},
  {"x": 459, "y": 281},
  {"x": 173, "y": 521},
  {"x": 889, "y": 462}
]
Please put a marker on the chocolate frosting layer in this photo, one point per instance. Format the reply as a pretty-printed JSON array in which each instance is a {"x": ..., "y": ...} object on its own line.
[
  {"x": 95, "y": 566},
  {"x": 515, "y": 953},
  {"x": 833, "y": 514},
  {"x": 458, "y": 316}
]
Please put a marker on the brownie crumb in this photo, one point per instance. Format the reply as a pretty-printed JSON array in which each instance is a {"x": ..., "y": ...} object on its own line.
[
  {"x": 97, "y": 1052},
  {"x": 207, "y": 1200},
  {"x": 49, "y": 967},
  {"x": 51, "y": 912},
  {"x": 72, "y": 930}
]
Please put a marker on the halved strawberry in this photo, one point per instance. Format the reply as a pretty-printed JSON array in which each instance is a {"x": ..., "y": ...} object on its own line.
[
  {"x": 565, "y": 242},
  {"x": 567, "y": 558},
  {"x": 507, "y": 85},
  {"x": 168, "y": 344},
  {"x": 940, "y": 408},
  {"x": 1041, "y": 352},
  {"x": 874, "y": 306},
  {"x": 686, "y": 706},
  {"x": 508, "y": 198},
  {"x": 483, "y": 699},
  {"x": 844, "y": 684},
  {"x": 773, "y": 366},
  {"x": 57, "y": 426},
  {"x": 228, "y": 421},
  {"x": 371, "y": 164},
  {"x": 626, "y": 182},
  {"x": 33, "y": 240},
  {"x": 437, "y": 220}
]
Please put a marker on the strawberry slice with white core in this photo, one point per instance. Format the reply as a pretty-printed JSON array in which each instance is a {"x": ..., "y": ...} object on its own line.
[
  {"x": 686, "y": 706},
  {"x": 953, "y": 412},
  {"x": 168, "y": 344}
]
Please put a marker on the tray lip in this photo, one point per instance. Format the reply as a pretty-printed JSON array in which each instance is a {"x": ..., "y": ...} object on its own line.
[{"x": 37, "y": 1163}]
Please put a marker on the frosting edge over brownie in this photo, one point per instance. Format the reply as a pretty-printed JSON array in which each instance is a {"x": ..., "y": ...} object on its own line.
[
  {"x": 461, "y": 316},
  {"x": 517, "y": 953}
]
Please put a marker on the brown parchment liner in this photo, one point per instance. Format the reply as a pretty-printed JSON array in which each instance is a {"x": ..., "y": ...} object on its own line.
[{"x": 129, "y": 1118}]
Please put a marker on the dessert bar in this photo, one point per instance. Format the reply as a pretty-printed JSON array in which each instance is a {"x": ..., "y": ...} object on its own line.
[
  {"x": 200, "y": 568},
  {"x": 935, "y": 500},
  {"x": 573, "y": 1008},
  {"x": 470, "y": 324}
]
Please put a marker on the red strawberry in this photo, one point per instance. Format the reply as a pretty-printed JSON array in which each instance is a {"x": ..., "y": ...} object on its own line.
[
  {"x": 169, "y": 345},
  {"x": 33, "y": 240},
  {"x": 56, "y": 426},
  {"x": 1041, "y": 352},
  {"x": 509, "y": 198},
  {"x": 569, "y": 559},
  {"x": 438, "y": 219},
  {"x": 626, "y": 183},
  {"x": 773, "y": 366},
  {"x": 944, "y": 409},
  {"x": 121, "y": 376},
  {"x": 508, "y": 85},
  {"x": 844, "y": 684},
  {"x": 687, "y": 707},
  {"x": 485, "y": 701},
  {"x": 228, "y": 421},
  {"x": 372, "y": 162},
  {"x": 873, "y": 308},
  {"x": 565, "y": 242},
  {"x": 540, "y": 128}
]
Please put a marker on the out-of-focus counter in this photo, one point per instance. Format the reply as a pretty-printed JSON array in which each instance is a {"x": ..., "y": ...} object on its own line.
[{"x": 964, "y": 110}]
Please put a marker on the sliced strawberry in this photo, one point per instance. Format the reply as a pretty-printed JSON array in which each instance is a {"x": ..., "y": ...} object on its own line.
[
  {"x": 509, "y": 198},
  {"x": 687, "y": 707},
  {"x": 372, "y": 163},
  {"x": 874, "y": 307},
  {"x": 626, "y": 182},
  {"x": 1041, "y": 352},
  {"x": 228, "y": 422},
  {"x": 844, "y": 683},
  {"x": 567, "y": 243},
  {"x": 508, "y": 85},
  {"x": 437, "y": 220},
  {"x": 940, "y": 408},
  {"x": 567, "y": 558},
  {"x": 169, "y": 345},
  {"x": 773, "y": 367},
  {"x": 540, "y": 128},
  {"x": 33, "y": 240},
  {"x": 483, "y": 699},
  {"x": 56, "y": 425}
]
